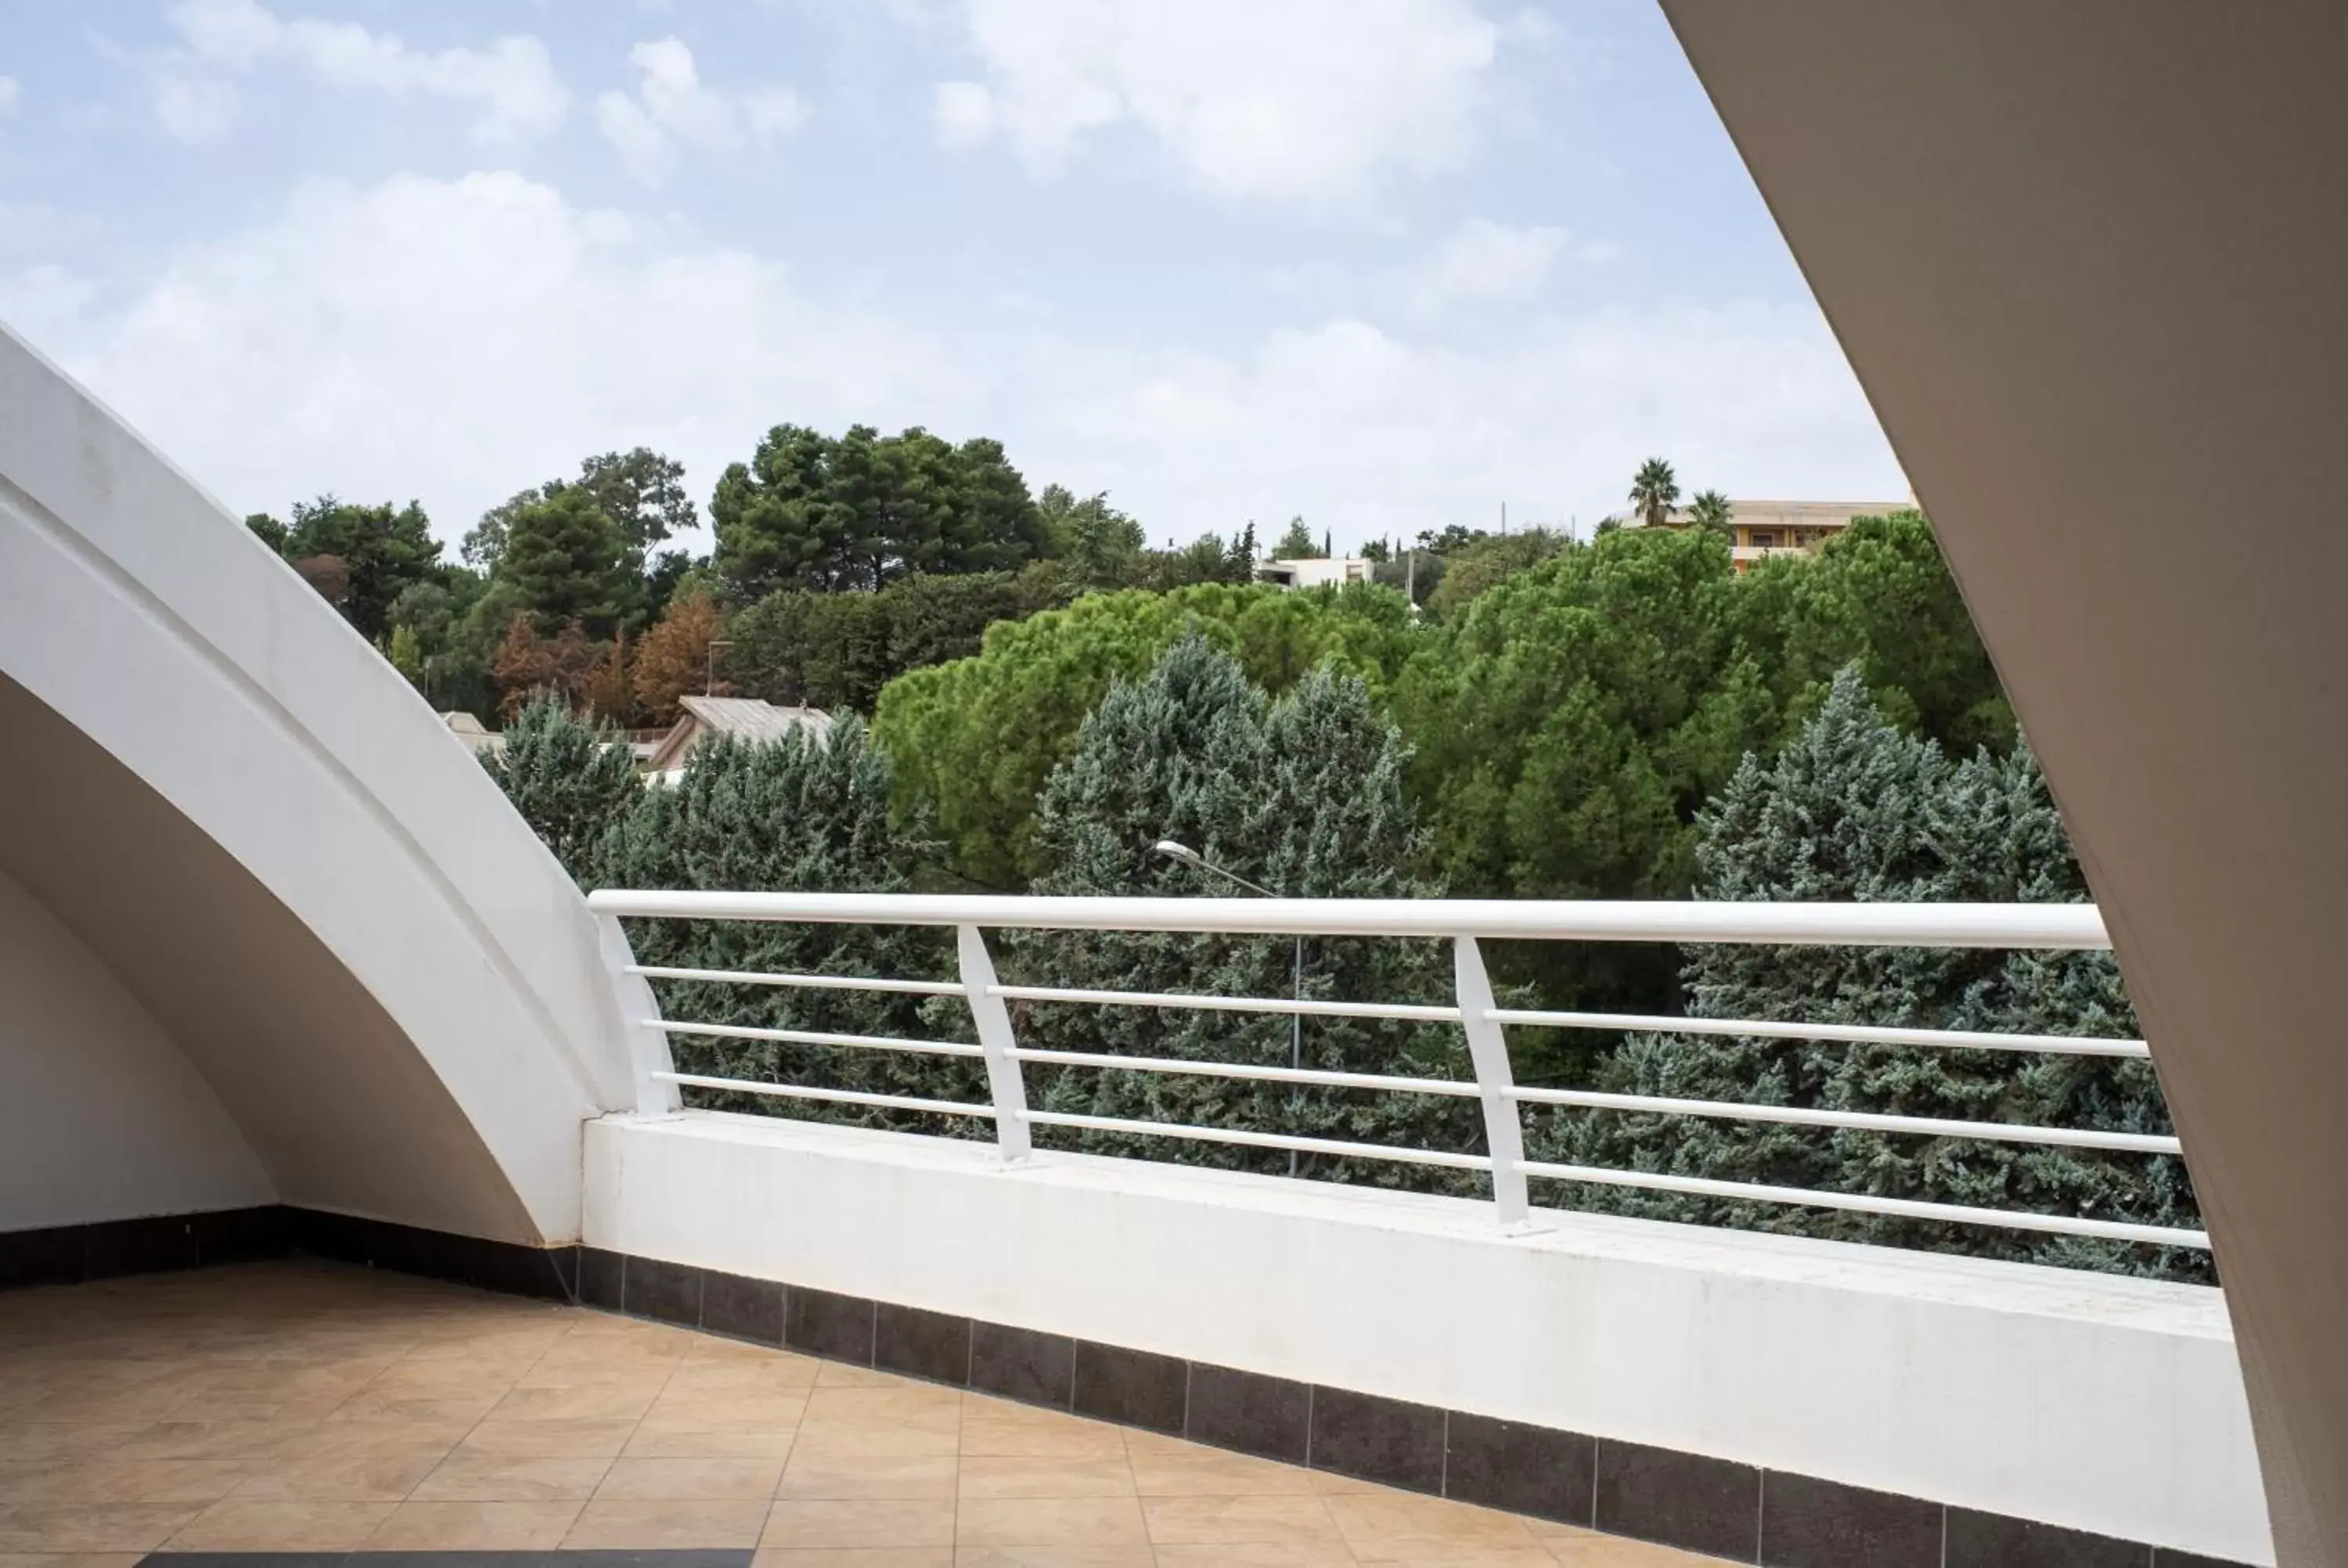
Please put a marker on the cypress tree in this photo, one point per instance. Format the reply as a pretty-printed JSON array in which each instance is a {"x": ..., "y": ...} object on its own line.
[
  {"x": 571, "y": 779},
  {"x": 1855, "y": 810}
]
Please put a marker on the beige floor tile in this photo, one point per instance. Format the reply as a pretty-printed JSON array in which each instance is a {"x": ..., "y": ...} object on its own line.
[
  {"x": 1257, "y": 1554},
  {"x": 46, "y": 1442},
  {"x": 465, "y": 1476},
  {"x": 1163, "y": 1468},
  {"x": 651, "y": 1442},
  {"x": 236, "y": 1524},
  {"x": 994, "y": 1429},
  {"x": 840, "y": 1374},
  {"x": 90, "y": 1527},
  {"x": 305, "y": 1440},
  {"x": 819, "y": 1477},
  {"x": 895, "y": 1522},
  {"x": 619, "y": 1524},
  {"x": 748, "y": 1479},
  {"x": 850, "y": 1557},
  {"x": 1210, "y": 1520},
  {"x": 512, "y": 1526},
  {"x": 69, "y": 1558},
  {"x": 784, "y": 1374},
  {"x": 1027, "y": 1476},
  {"x": 1594, "y": 1551},
  {"x": 1050, "y": 1521},
  {"x": 366, "y": 1478},
  {"x": 699, "y": 1410},
  {"x": 452, "y": 1409},
  {"x": 549, "y": 1439},
  {"x": 123, "y": 1480},
  {"x": 1389, "y": 1520},
  {"x": 625, "y": 1402},
  {"x": 1047, "y": 1556}
]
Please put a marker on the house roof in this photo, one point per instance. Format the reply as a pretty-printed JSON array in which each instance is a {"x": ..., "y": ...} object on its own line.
[{"x": 753, "y": 719}]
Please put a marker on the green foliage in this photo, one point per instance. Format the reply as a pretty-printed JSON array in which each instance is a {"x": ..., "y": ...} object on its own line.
[
  {"x": 974, "y": 741},
  {"x": 1099, "y": 545},
  {"x": 268, "y": 531},
  {"x": 383, "y": 550},
  {"x": 837, "y": 650},
  {"x": 1655, "y": 488},
  {"x": 802, "y": 814},
  {"x": 1303, "y": 794},
  {"x": 1855, "y": 809},
  {"x": 567, "y": 560},
  {"x": 1710, "y": 510},
  {"x": 1489, "y": 560},
  {"x": 862, "y": 510},
  {"x": 1297, "y": 543},
  {"x": 571, "y": 780}
]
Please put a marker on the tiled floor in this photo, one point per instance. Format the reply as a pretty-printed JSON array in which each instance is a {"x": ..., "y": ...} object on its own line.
[{"x": 310, "y": 1407}]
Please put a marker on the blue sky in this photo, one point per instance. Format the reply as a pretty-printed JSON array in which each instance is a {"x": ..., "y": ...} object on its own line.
[{"x": 1385, "y": 263}]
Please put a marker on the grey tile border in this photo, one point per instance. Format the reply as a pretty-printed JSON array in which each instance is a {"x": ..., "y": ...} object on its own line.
[
  {"x": 822, "y": 1323},
  {"x": 1660, "y": 1494},
  {"x": 1372, "y": 1438},
  {"x": 921, "y": 1344},
  {"x": 1022, "y": 1364},
  {"x": 1131, "y": 1388},
  {"x": 1994, "y": 1541},
  {"x": 1811, "y": 1523},
  {"x": 1524, "y": 1469},
  {"x": 1270, "y": 1417},
  {"x": 1689, "y": 1501}
]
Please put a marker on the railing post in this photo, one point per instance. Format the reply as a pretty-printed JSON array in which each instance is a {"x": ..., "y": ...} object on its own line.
[
  {"x": 648, "y": 1052},
  {"x": 993, "y": 1019},
  {"x": 1488, "y": 1049}
]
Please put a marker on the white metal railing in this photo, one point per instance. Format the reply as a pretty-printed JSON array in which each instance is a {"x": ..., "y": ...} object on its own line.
[{"x": 2073, "y": 927}]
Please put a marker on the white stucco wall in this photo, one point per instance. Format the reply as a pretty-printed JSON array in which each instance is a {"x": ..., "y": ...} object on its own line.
[
  {"x": 102, "y": 1117},
  {"x": 2100, "y": 1403}
]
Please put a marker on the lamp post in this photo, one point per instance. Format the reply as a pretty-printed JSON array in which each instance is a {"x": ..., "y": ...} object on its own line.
[{"x": 1175, "y": 850}]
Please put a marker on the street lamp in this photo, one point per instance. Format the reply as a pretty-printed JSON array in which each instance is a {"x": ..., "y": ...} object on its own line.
[{"x": 1175, "y": 850}]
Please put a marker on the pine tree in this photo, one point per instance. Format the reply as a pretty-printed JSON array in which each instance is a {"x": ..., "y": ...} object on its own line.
[
  {"x": 803, "y": 814},
  {"x": 1302, "y": 795},
  {"x": 1854, "y": 810},
  {"x": 570, "y": 780}
]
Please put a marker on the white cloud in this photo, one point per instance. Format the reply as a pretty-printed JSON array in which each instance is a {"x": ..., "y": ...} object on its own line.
[
  {"x": 1303, "y": 100},
  {"x": 10, "y": 95},
  {"x": 457, "y": 340},
  {"x": 511, "y": 81},
  {"x": 672, "y": 106},
  {"x": 1485, "y": 262}
]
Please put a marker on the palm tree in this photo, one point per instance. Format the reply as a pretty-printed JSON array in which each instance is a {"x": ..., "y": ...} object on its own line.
[
  {"x": 1652, "y": 490},
  {"x": 1710, "y": 510}
]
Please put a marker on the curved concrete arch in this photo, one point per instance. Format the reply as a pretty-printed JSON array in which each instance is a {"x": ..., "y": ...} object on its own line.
[
  {"x": 2084, "y": 258},
  {"x": 240, "y": 809}
]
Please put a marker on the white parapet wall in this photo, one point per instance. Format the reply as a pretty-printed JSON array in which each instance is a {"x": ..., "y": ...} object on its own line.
[{"x": 2098, "y": 1403}]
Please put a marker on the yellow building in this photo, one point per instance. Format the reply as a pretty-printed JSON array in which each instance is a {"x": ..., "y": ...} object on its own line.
[{"x": 1763, "y": 528}]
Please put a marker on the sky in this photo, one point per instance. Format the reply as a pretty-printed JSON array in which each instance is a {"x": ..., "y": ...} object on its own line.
[{"x": 1384, "y": 264}]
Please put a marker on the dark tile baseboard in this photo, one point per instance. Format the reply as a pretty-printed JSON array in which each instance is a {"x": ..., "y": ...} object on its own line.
[{"x": 1689, "y": 1501}]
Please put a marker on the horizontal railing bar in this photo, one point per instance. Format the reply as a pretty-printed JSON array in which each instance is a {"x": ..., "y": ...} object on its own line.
[
  {"x": 1408, "y": 1012},
  {"x": 1262, "y": 1139},
  {"x": 1251, "y": 1071},
  {"x": 807, "y": 983},
  {"x": 1862, "y": 1203},
  {"x": 1805, "y": 1116},
  {"x": 843, "y": 1096},
  {"x": 2036, "y": 926},
  {"x": 814, "y": 1036},
  {"x": 1849, "y": 1033}
]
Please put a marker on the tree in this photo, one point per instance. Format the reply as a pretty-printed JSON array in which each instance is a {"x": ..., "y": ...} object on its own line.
[
  {"x": 974, "y": 741},
  {"x": 810, "y": 511},
  {"x": 268, "y": 531},
  {"x": 526, "y": 666},
  {"x": 568, "y": 561},
  {"x": 1710, "y": 509},
  {"x": 1487, "y": 562},
  {"x": 376, "y": 552},
  {"x": 1303, "y": 794},
  {"x": 1855, "y": 809},
  {"x": 571, "y": 780},
  {"x": 406, "y": 656},
  {"x": 673, "y": 657},
  {"x": 1297, "y": 543},
  {"x": 801, "y": 813},
  {"x": 643, "y": 492},
  {"x": 1653, "y": 490},
  {"x": 1097, "y": 545}
]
